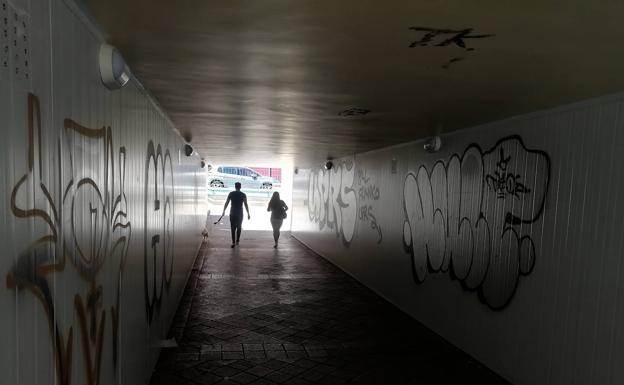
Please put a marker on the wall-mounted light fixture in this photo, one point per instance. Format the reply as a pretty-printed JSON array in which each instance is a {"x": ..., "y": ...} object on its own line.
[
  {"x": 433, "y": 144},
  {"x": 329, "y": 164},
  {"x": 113, "y": 69},
  {"x": 188, "y": 149},
  {"x": 202, "y": 164}
]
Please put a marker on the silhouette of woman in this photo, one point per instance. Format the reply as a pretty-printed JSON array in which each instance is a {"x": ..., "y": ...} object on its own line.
[{"x": 278, "y": 209}]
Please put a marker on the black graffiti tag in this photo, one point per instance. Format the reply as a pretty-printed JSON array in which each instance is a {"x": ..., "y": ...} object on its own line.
[
  {"x": 158, "y": 239},
  {"x": 472, "y": 216},
  {"x": 505, "y": 182},
  {"x": 365, "y": 214},
  {"x": 368, "y": 192},
  {"x": 445, "y": 37},
  {"x": 332, "y": 202},
  {"x": 449, "y": 37}
]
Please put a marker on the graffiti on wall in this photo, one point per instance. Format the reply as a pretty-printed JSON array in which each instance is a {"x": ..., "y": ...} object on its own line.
[
  {"x": 368, "y": 193},
  {"x": 332, "y": 200},
  {"x": 159, "y": 228},
  {"x": 81, "y": 216},
  {"x": 473, "y": 216}
]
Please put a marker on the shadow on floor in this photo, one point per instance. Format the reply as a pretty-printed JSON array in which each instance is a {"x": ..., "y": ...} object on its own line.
[{"x": 256, "y": 315}]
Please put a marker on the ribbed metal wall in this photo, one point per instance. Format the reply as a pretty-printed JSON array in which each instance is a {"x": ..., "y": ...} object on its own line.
[
  {"x": 100, "y": 213},
  {"x": 507, "y": 242}
]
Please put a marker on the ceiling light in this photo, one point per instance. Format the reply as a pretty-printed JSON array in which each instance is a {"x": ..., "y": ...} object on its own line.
[
  {"x": 433, "y": 144},
  {"x": 188, "y": 150},
  {"x": 113, "y": 69}
]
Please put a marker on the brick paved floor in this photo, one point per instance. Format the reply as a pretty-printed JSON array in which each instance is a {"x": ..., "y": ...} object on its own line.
[{"x": 255, "y": 315}]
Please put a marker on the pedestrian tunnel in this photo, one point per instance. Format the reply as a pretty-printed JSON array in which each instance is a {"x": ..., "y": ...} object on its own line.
[{"x": 452, "y": 182}]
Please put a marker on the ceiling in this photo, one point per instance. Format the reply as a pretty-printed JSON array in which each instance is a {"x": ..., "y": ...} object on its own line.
[{"x": 266, "y": 81}]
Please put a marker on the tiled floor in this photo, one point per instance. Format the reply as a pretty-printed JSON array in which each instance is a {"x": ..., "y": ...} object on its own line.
[{"x": 255, "y": 315}]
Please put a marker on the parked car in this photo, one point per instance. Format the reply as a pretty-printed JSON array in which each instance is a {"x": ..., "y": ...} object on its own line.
[{"x": 226, "y": 176}]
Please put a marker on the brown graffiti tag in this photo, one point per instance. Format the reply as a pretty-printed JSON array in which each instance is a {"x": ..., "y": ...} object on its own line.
[{"x": 100, "y": 198}]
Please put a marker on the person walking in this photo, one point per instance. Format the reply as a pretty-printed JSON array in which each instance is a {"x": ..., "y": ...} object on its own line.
[
  {"x": 238, "y": 199},
  {"x": 278, "y": 210}
]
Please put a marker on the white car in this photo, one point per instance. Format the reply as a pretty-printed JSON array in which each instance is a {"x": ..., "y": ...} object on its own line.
[{"x": 226, "y": 176}]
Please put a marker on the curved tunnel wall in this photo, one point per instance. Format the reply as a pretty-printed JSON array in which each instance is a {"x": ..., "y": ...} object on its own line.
[
  {"x": 507, "y": 242},
  {"x": 101, "y": 210}
]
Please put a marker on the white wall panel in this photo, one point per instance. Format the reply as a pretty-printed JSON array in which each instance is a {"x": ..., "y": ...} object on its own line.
[
  {"x": 98, "y": 231},
  {"x": 507, "y": 242}
]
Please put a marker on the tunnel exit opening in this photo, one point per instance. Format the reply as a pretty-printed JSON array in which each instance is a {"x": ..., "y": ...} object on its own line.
[{"x": 258, "y": 183}]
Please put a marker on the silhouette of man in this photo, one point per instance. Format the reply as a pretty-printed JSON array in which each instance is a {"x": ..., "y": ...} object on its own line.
[{"x": 238, "y": 198}]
